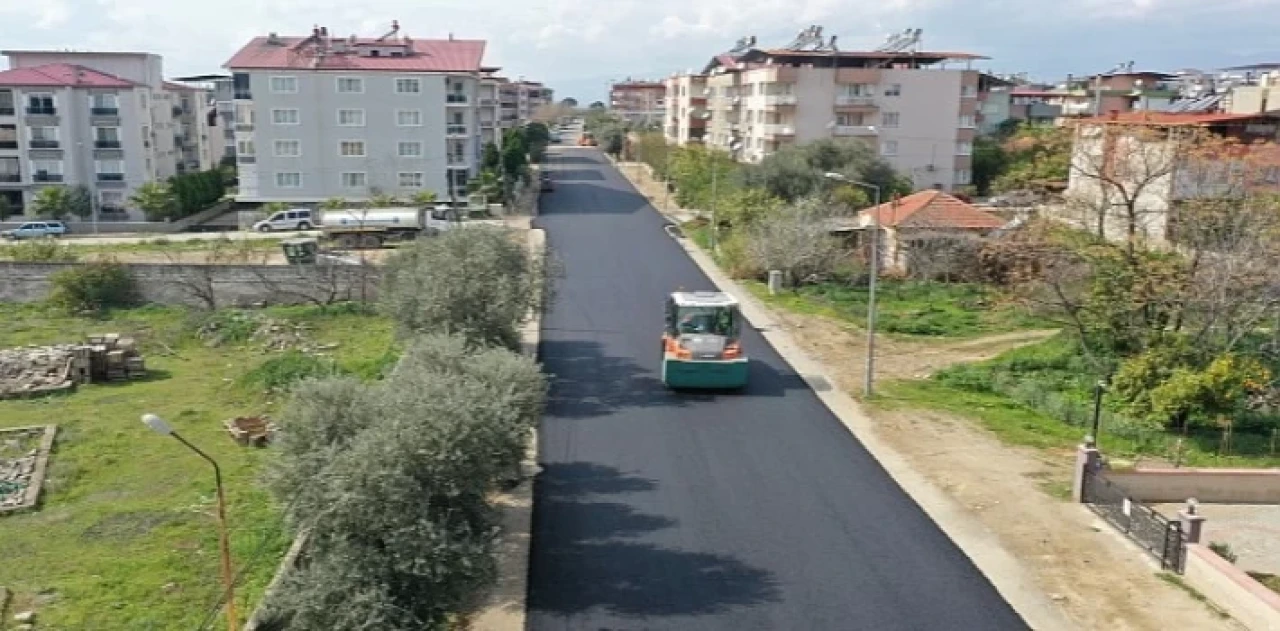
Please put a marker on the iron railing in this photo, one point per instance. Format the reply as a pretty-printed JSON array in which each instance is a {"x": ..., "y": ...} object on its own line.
[{"x": 1160, "y": 536}]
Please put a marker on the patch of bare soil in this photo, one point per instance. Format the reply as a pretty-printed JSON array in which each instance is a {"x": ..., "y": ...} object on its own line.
[{"x": 1100, "y": 580}]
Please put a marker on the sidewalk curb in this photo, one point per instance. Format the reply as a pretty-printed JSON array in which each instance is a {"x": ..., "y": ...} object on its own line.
[
  {"x": 1014, "y": 582},
  {"x": 504, "y": 607}
]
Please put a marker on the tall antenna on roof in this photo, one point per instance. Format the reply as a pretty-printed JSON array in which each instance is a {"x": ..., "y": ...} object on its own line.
[{"x": 395, "y": 28}]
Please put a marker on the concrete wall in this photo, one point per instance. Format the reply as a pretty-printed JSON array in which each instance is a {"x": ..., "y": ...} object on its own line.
[
  {"x": 1247, "y": 600},
  {"x": 1215, "y": 486},
  {"x": 231, "y": 285}
]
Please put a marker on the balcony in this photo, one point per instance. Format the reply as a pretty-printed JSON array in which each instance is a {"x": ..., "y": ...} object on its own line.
[
  {"x": 42, "y": 111},
  {"x": 776, "y": 100},
  {"x": 489, "y": 122},
  {"x": 110, "y": 177},
  {"x": 488, "y": 102},
  {"x": 6, "y": 110},
  {"x": 10, "y": 178},
  {"x": 848, "y": 100},
  {"x": 43, "y": 144},
  {"x": 104, "y": 111},
  {"x": 778, "y": 130},
  {"x": 47, "y": 177},
  {"x": 856, "y": 130},
  {"x": 456, "y": 99},
  {"x": 242, "y": 95},
  {"x": 456, "y": 130},
  {"x": 106, "y": 144},
  {"x": 456, "y": 160}
]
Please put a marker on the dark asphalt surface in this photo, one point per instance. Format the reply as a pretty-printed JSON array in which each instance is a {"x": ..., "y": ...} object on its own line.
[{"x": 706, "y": 512}]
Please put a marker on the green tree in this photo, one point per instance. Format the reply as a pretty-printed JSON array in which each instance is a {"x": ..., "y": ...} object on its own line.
[
  {"x": 612, "y": 138},
  {"x": 333, "y": 203},
  {"x": 491, "y": 159},
  {"x": 569, "y": 102},
  {"x": 6, "y": 208},
  {"x": 424, "y": 198},
  {"x": 489, "y": 184},
  {"x": 383, "y": 199},
  {"x": 795, "y": 172},
  {"x": 989, "y": 162},
  {"x": 156, "y": 201},
  {"x": 478, "y": 283},
  {"x": 52, "y": 202},
  {"x": 1037, "y": 156},
  {"x": 81, "y": 202}
]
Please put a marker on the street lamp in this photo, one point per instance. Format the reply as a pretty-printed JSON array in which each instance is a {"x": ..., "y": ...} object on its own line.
[
  {"x": 868, "y": 378},
  {"x": 1098, "y": 389},
  {"x": 159, "y": 426}
]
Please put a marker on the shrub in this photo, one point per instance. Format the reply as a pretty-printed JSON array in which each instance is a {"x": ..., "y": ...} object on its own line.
[
  {"x": 42, "y": 252},
  {"x": 1223, "y": 550},
  {"x": 286, "y": 369},
  {"x": 93, "y": 287}
]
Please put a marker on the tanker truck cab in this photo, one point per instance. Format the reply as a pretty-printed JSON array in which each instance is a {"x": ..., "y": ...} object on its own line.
[{"x": 701, "y": 343}]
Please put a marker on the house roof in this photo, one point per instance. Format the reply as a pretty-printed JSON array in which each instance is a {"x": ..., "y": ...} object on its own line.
[
  {"x": 932, "y": 209},
  {"x": 1170, "y": 118},
  {"x": 62, "y": 76},
  {"x": 170, "y": 85},
  {"x": 921, "y": 56},
  {"x": 428, "y": 55}
]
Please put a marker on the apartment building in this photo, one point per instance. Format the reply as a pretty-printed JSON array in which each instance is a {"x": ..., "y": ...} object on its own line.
[
  {"x": 532, "y": 96},
  {"x": 917, "y": 108},
  {"x": 642, "y": 102},
  {"x": 198, "y": 142},
  {"x": 1141, "y": 156},
  {"x": 104, "y": 121},
  {"x": 320, "y": 116},
  {"x": 685, "y": 120}
]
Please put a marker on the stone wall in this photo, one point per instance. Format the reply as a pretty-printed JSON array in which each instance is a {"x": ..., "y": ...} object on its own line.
[{"x": 198, "y": 285}]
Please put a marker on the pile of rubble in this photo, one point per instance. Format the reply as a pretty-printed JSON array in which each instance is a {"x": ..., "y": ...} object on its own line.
[
  {"x": 271, "y": 334},
  {"x": 18, "y": 452},
  {"x": 34, "y": 370}
]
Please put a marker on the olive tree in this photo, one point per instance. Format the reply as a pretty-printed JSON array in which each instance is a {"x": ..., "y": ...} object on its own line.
[{"x": 478, "y": 282}]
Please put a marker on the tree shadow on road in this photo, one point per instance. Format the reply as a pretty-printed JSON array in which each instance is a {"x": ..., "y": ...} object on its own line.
[{"x": 586, "y": 562}]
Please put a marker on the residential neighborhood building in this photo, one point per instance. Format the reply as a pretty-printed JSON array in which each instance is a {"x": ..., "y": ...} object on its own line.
[
  {"x": 917, "y": 229},
  {"x": 917, "y": 108},
  {"x": 1141, "y": 158},
  {"x": 686, "y": 108},
  {"x": 641, "y": 102},
  {"x": 323, "y": 116},
  {"x": 531, "y": 96},
  {"x": 198, "y": 142},
  {"x": 104, "y": 121}
]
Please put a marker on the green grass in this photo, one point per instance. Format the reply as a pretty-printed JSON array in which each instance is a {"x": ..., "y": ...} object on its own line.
[
  {"x": 1270, "y": 581},
  {"x": 125, "y": 537}
]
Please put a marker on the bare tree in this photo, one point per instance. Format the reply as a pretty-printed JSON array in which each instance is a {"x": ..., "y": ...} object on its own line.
[
  {"x": 196, "y": 277},
  {"x": 797, "y": 241}
]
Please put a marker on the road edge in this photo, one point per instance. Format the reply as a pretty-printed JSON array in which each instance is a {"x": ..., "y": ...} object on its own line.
[
  {"x": 505, "y": 606},
  {"x": 1014, "y": 582}
]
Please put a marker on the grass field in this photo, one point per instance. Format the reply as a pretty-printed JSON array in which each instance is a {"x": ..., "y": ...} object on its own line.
[{"x": 125, "y": 537}]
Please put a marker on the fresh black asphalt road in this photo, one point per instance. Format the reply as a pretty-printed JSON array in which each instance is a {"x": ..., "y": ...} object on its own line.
[{"x": 727, "y": 512}]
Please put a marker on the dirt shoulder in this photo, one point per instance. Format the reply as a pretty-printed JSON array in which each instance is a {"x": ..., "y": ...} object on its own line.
[{"x": 1100, "y": 580}]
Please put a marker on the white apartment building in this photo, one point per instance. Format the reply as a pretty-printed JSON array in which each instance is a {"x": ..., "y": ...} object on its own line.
[
  {"x": 686, "y": 108},
  {"x": 104, "y": 121},
  {"x": 319, "y": 117},
  {"x": 198, "y": 142},
  {"x": 919, "y": 113}
]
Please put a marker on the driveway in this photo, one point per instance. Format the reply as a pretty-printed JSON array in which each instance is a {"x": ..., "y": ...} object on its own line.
[{"x": 663, "y": 511}]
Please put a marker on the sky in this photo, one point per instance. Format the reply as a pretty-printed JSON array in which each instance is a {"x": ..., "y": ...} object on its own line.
[{"x": 578, "y": 46}]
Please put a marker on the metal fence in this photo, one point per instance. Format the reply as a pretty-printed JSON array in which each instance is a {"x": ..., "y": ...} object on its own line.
[{"x": 1155, "y": 533}]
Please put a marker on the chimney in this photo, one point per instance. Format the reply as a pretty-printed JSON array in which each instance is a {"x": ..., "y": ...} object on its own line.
[{"x": 324, "y": 31}]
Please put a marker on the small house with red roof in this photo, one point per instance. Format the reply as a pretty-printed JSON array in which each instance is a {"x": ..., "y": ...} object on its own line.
[{"x": 916, "y": 225}]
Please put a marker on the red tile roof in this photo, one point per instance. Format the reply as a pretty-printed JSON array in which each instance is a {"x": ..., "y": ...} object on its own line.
[
  {"x": 1169, "y": 118},
  {"x": 430, "y": 55},
  {"x": 61, "y": 75},
  {"x": 932, "y": 209}
]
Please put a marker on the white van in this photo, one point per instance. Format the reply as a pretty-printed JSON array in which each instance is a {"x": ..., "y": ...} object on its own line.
[{"x": 292, "y": 219}]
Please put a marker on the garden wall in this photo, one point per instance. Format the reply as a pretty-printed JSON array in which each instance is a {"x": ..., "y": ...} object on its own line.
[
  {"x": 1212, "y": 486},
  {"x": 226, "y": 285}
]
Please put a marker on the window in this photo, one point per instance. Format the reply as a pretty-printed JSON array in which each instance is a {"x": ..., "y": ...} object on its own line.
[
  {"x": 967, "y": 121},
  {"x": 288, "y": 148},
  {"x": 354, "y": 180},
  {"x": 286, "y": 179},
  {"x": 284, "y": 85},
  {"x": 409, "y": 118},
  {"x": 39, "y": 134},
  {"x": 968, "y": 91},
  {"x": 106, "y": 137},
  {"x": 284, "y": 117},
  {"x": 411, "y": 180},
  {"x": 408, "y": 86},
  {"x": 111, "y": 200},
  {"x": 41, "y": 103},
  {"x": 893, "y": 89},
  {"x": 350, "y": 85},
  {"x": 410, "y": 149},
  {"x": 244, "y": 114},
  {"x": 100, "y": 102},
  {"x": 109, "y": 167},
  {"x": 964, "y": 148},
  {"x": 963, "y": 176},
  {"x": 244, "y": 148},
  {"x": 351, "y": 148},
  {"x": 351, "y": 118},
  {"x": 889, "y": 148},
  {"x": 849, "y": 120},
  {"x": 889, "y": 119},
  {"x": 46, "y": 170}
]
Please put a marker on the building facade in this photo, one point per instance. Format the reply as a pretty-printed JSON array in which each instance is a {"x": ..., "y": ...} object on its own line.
[
  {"x": 914, "y": 107},
  {"x": 641, "y": 102},
  {"x": 101, "y": 121},
  {"x": 322, "y": 117},
  {"x": 685, "y": 119}
]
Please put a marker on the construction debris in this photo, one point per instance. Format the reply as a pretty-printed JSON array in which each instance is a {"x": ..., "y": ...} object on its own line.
[
  {"x": 19, "y": 452},
  {"x": 35, "y": 370},
  {"x": 251, "y": 430}
]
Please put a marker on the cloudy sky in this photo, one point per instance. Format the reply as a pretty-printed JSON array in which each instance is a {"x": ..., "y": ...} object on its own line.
[{"x": 577, "y": 46}]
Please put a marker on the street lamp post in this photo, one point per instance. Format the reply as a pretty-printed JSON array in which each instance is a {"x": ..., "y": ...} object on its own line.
[
  {"x": 869, "y": 377},
  {"x": 159, "y": 426},
  {"x": 1098, "y": 389}
]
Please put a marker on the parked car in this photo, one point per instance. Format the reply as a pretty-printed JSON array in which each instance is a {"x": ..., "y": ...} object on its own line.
[
  {"x": 292, "y": 219},
  {"x": 547, "y": 183},
  {"x": 36, "y": 230}
]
